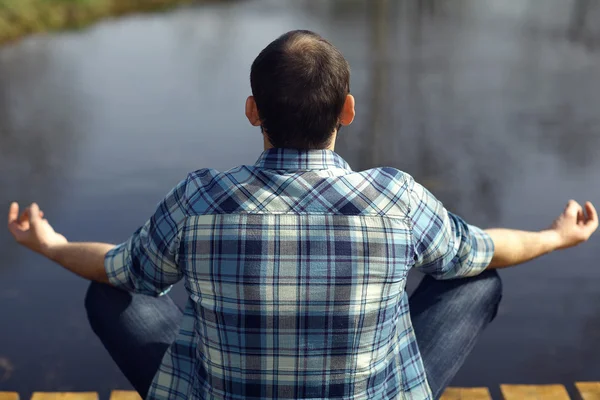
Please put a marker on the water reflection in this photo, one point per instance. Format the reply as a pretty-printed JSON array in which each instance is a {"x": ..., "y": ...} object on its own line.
[
  {"x": 379, "y": 99},
  {"x": 490, "y": 103},
  {"x": 581, "y": 27},
  {"x": 37, "y": 138}
]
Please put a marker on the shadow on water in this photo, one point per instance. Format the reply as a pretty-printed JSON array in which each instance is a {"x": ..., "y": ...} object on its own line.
[{"x": 491, "y": 104}]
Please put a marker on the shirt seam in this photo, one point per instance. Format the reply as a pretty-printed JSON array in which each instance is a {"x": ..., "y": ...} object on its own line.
[
  {"x": 411, "y": 225},
  {"x": 216, "y": 212},
  {"x": 183, "y": 224}
]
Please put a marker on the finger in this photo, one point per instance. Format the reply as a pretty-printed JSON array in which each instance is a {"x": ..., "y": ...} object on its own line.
[
  {"x": 13, "y": 212},
  {"x": 24, "y": 217},
  {"x": 41, "y": 214},
  {"x": 16, "y": 230},
  {"x": 34, "y": 214},
  {"x": 592, "y": 215},
  {"x": 573, "y": 208}
]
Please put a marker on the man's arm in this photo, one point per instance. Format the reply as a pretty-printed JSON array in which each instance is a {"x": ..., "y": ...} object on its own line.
[
  {"x": 446, "y": 247},
  {"x": 34, "y": 232},
  {"x": 571, "y": 228},
  {"x": 83, "y": 259},
  {"x": 146, "y": 263}
]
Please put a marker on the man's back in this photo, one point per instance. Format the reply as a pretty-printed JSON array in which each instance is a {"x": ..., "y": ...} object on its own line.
[
  {"x": 295, "y": 267},
  {"x": 296, "y": 270}
]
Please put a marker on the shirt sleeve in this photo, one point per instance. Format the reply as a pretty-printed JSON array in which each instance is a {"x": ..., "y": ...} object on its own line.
[
  {"x": 147, "y": 262},
  {"x": 445, "y": 246}
]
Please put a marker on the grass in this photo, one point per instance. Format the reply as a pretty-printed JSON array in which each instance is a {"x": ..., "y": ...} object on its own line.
[{"x": 19, "y": 18}]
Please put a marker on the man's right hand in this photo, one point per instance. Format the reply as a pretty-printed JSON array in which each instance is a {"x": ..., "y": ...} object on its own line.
[
  {"x": 574, "y": 226},
  {"x": 32, "y": 230}
]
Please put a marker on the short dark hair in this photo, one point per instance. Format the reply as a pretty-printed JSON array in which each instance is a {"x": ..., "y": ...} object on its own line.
[{"x": 300, "y": 83}]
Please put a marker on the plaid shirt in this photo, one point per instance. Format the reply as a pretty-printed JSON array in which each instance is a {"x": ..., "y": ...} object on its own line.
[{"x": 296, "y": 270}]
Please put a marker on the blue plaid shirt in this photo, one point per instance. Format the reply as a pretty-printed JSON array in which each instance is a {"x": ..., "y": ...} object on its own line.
[{"x": 296, "y": 270}]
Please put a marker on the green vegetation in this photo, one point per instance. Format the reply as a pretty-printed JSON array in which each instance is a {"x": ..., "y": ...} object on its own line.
[{"x": 22, "y": 17}]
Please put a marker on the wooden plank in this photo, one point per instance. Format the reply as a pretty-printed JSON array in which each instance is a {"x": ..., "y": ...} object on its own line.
[
  {"x": 534, "y": 392},
  {"x": 589, "y": 390},
  {"x": 466, "y": 394},
  {"x": 123, "y": 395},
  {"x": 65, "y": 396},
  {"x": 9, "y": 396}
]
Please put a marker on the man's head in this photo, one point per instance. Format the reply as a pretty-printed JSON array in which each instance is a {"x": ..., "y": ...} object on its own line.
[{"x": 300, "y": 86}]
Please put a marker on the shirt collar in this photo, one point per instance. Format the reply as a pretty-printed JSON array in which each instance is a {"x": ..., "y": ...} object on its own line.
[{"x": 292, "y": 159}]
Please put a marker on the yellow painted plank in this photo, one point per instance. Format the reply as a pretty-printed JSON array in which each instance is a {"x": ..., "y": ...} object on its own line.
[
  {"x": 466, "y": 394},
  {"x": 65, "y": 396},
  {"x": 589, "y": 390},
  {"x": 9, "y": 396},
  {"x": 123, "y": 395},
  {"x": 534, "y": 392}
]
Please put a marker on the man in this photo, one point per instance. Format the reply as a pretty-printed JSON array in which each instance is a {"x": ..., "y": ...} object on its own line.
[{"x": 296, "y": 267}]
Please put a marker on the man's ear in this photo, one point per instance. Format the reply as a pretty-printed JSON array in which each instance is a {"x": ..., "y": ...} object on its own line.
[
  {"x": 252, "y": 111},
  {"x": 348, "y": 112}
]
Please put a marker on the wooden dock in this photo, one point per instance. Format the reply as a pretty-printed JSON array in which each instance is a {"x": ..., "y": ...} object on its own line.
[
  {"x": 115, "y": 395},
  {"x": 587, "y": 391}
]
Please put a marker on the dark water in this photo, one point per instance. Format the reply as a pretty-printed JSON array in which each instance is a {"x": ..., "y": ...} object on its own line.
[{"x": 494, "y": 105}]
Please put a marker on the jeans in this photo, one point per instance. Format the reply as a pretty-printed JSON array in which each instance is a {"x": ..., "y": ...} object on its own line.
[{"x": 447, "y": 316}]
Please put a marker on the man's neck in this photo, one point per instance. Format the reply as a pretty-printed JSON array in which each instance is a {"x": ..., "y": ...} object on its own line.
[{"x": 267, "y": 144}]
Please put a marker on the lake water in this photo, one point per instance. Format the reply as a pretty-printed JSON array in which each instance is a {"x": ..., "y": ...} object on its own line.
[{"x": 492, "y": 104}]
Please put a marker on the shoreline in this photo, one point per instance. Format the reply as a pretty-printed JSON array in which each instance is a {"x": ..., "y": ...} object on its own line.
[{"x": 22, "y": 18}]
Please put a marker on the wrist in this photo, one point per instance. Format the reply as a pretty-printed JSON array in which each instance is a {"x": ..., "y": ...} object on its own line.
[
  {"x": 552, "y": 240},
  {"x": 50, "y": 250}
]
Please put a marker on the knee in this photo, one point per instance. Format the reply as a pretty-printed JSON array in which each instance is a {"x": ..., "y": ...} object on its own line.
[
  {"x": 490, "y": 290},
  {"x": 100, "y": 301},
  {"x": 492, "y": 283},
  {"x": 93, "y": 301}
]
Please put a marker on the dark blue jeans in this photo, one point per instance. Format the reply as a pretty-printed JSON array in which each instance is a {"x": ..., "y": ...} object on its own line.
[{"x": 447, "y": 316}]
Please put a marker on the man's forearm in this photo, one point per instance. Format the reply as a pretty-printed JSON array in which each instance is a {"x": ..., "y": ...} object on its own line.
[
  {"x": 514, "y": 247},
  {"x": 83, "y": 259}
]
